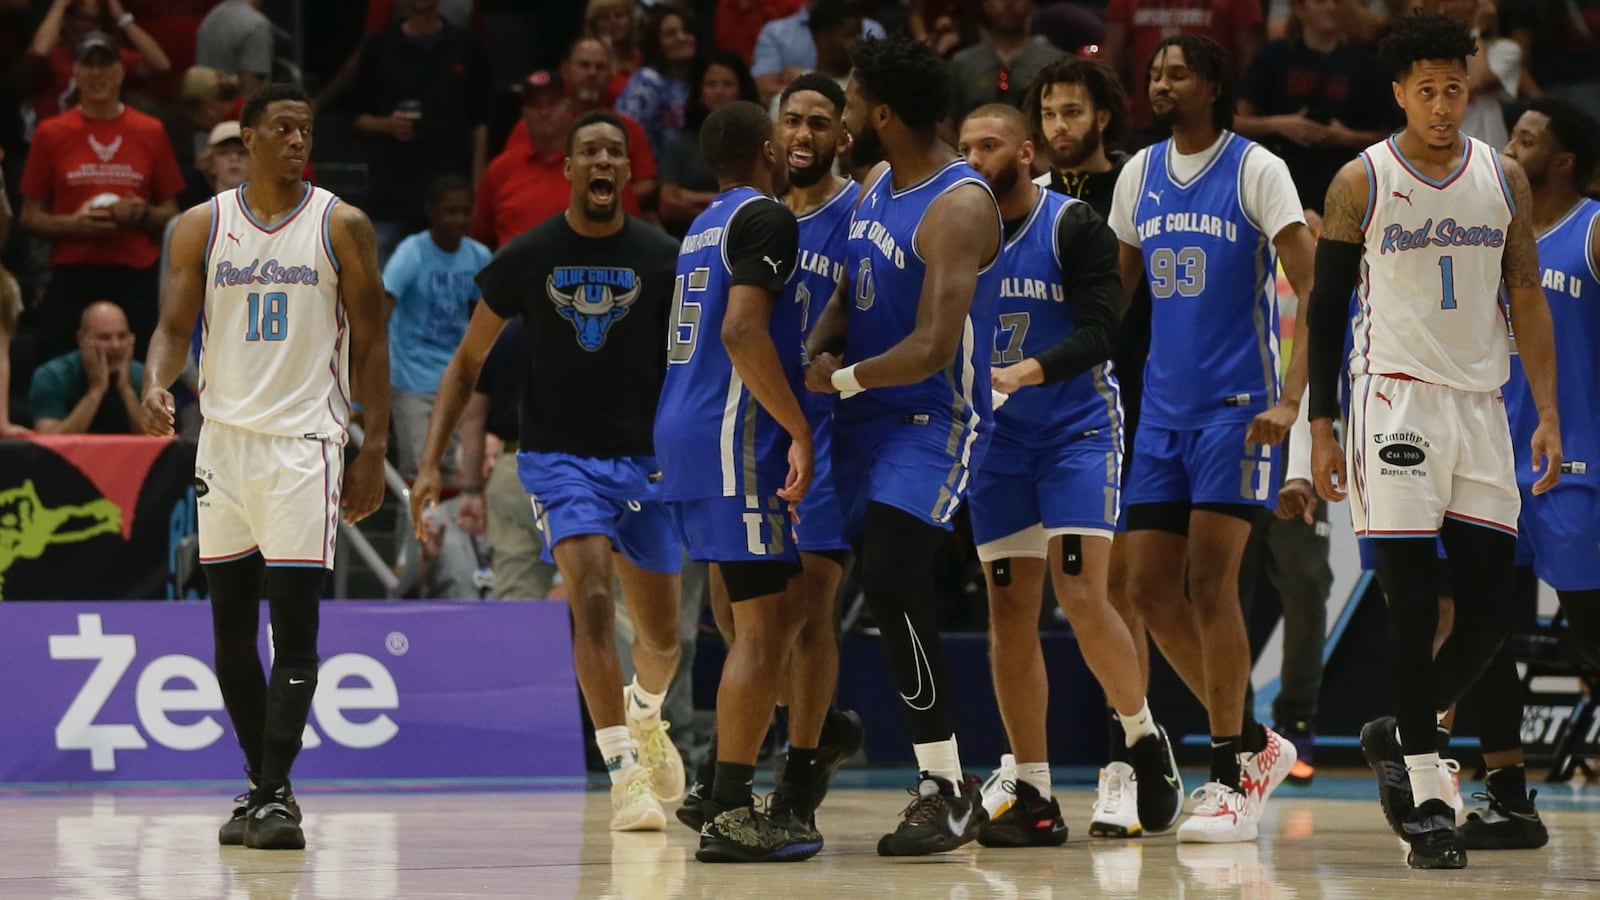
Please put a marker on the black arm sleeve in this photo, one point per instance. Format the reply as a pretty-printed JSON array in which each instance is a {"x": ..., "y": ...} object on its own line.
[
  {"x": 1087, "y": 248},
  {"x": 762, "y": 245},
  {"x": 1338, "y": 266}
]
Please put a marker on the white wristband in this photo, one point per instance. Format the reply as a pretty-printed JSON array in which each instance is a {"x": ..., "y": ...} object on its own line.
[
  {"x": 125, "y": 21},
  {"x": 844, "y": 381}
]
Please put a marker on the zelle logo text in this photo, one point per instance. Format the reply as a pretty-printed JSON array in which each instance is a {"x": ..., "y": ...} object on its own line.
[{"x": 372, "y": 689}]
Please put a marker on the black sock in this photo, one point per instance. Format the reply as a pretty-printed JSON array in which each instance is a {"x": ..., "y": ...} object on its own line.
[
  {"x": 1252, "y": 739},
  {"x": 1225, "y": 760},
  {"x": 1509, "y": 784},
  {"x": 731, "y": 787},
  {"x": 1116, "y": 737},
  {"x": 707, "y": 769},
  {"x": 801, "y": 769}
]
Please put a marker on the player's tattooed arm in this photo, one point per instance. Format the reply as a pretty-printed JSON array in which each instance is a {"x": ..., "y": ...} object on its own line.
[
  {"x": 1345, "y": 204},
  {"x": 1530, "y": 321},
  {"x": 1520, "y": 265},
  {"x": 182, "y": 295}
]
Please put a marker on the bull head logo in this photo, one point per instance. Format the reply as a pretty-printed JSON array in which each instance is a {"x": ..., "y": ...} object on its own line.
[{"x": 592, "y": 308}]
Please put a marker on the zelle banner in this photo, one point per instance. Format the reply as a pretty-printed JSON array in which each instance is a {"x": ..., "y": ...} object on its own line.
[{"x": 126, "y": 692}]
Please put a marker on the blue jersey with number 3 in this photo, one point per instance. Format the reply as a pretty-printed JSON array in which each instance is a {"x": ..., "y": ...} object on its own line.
[
  {"x": 822, "y": 250},
  {"x": 712, "y": 438},
  {"x": 1213, "y": 288},
  {"x": 1033, "y": 317},
  {"x": 886, "y": 272}
]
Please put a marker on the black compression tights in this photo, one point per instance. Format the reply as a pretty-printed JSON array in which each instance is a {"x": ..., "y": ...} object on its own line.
[
  {"x": 1497, "y": 697},
  {"x": 897, "y": 576},
  {"x": 269, "y": 718},
  {"x": 1482, "y": 566}
]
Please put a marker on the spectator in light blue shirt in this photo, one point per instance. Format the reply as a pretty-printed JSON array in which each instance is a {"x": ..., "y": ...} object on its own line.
[
  {"x": 785, "y": 50},
  {"x": 429, "y": 280}
]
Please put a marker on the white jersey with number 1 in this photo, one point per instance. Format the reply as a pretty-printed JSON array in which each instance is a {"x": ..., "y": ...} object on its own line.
[
  {"x": 1430, "y": 277},
  {"x": 274, "y": 351}
]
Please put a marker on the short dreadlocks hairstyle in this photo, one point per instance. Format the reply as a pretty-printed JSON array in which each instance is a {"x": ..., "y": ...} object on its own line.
[
  {"x": 1205, "y": 58},
  {"x": 906, "y": 75},
  {"x": 1576, "y": 132},
  {"x": 1424, "y": 36},
  {"x": 1105, "y": 91}
]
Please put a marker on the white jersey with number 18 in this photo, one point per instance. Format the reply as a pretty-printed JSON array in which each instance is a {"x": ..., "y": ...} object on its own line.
[
  {"x": 1430, "y": 277},
  {"x": 274, "y": 353}
]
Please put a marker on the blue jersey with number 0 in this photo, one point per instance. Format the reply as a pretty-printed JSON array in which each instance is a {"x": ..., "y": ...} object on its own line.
[
  {"x": 886, "y": 274},
  {"x": 1213, "y": 286}
]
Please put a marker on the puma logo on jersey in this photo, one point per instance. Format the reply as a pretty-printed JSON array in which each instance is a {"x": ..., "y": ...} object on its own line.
[
  {"x": 235, "y": 238},
  {"x": 105, "y": 151},
  {"x": 1406, "y": 196},
  {"x": 1155, "y": 195},
  {"x": 1386, "y": 401},
  {"x": 771, "y": 262}
]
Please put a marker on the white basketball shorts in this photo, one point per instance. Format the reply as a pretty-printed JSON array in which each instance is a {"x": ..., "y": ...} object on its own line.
[
  {"x": 1421, "y": 452},
  {"x": 267, "y": 492}
]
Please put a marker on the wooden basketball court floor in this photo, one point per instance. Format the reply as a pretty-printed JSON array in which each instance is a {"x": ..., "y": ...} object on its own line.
[{"x": 1327, "y": 840}]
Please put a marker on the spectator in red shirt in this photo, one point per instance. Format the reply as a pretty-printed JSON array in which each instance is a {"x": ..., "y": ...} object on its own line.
[
  {"x": 100, "y": 182},
  {"x": 1135, "y": 27},
  {"x": 527, "y": 183},
  {"x": 64, "y": 28}
]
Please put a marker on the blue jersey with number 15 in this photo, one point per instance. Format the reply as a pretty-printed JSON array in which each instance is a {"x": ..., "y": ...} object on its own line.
[
  {"x": 1214, "y": 295},
  {"x": 712, "y": 438}
]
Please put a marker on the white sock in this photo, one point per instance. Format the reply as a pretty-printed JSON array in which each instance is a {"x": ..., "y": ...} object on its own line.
[
  {"x": 1138, "y": 725},
  {"x": 645, "y": 706},
  {"x": 1036, "y": 775},
  {"x": 618, "y": 750},
  {"x": 940, "y": 758},
  {"x": 1424, "y": 771}
]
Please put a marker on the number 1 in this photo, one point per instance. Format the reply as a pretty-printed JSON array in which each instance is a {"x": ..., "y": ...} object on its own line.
[
  {"x": 273, "y": 321},
  {"x": 1447, "y": 273}
]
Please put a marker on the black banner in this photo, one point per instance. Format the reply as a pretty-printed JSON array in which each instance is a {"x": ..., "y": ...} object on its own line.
[{"x": 93, "y": 517}]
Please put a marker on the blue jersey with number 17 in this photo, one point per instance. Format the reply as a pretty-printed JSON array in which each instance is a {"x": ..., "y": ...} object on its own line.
[
  {"x": 1033, "y": 317},
  {"x": 886, "y": 273},
  {"x": 712, "y": 438},
  {"x": 1213, "y": 290},
  {"x": 821, "y": 266}
]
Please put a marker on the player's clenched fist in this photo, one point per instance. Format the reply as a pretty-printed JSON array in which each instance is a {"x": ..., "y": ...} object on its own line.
[
  {"x": 819, "y": 375},
  {"x": 158, "y": 412}
]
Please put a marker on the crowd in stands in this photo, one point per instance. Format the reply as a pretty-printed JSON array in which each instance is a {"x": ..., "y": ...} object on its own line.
[{"x": 446, "y": 121}]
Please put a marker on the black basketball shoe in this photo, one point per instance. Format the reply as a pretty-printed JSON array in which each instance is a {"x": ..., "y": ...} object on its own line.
[
  {"x": 940, "y": 818},
  {"x": 842, "y": 735},
  {"x": 1431, "y": 831},
  {"x": 231, "y": 834},
  {"x": 273, "y": 822},
  {"x": 1155, "y": 770},
  {"x": 1382, "y": 749},
  {"x": 692, "y": 812},
  {"x": 1503, "y": 824},
  {"x": 1030, "y": 821},
  {"x": 747, "y": 834}
]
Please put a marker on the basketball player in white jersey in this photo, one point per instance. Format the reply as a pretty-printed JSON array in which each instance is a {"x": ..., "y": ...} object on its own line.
[
  {"x": 1429, "y": 222},
  {"x": 285, "y": 279}
]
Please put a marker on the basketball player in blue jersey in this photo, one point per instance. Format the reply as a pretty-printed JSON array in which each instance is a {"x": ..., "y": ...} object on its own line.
[
  {"x": 285, "y": 279},
  {"x": 594, "y": 289},
  {"x": 913, "y": 321},
  {"x": 1047, "y": 493},
  {"x": 1558, "y": 532},
  {"x": 1430, "y": 222},
  {"x": 809, "y": 135},
  {"x": 736, "y": 454},
  {"x": 1205, "y": 216}
]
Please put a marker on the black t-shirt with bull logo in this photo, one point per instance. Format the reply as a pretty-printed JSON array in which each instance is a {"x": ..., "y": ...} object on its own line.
[{"x": 596, "y": 312}]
